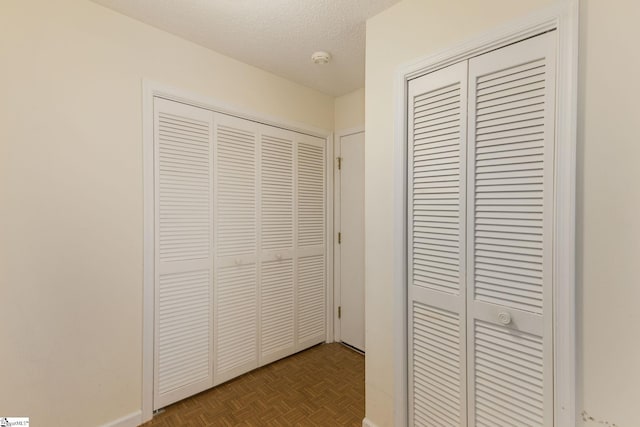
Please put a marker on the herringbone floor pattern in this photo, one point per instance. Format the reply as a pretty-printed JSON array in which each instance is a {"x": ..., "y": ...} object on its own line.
[{"x": 322, "y": 386}]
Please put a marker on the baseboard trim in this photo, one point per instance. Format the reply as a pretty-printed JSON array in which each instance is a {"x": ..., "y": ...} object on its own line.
[
  {"x": 366, "y": 422},
  {"x": 132, "y": 420}
]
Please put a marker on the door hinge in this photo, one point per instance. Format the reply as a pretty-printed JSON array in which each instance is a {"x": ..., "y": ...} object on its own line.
[
  {"x": 339, "y": 312},
  {"x": 339, "y": 163},
  {"x": 339, "y": 237}
]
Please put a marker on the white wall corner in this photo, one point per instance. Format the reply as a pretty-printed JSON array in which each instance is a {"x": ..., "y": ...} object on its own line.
[
  {"x": 132, "y": 420},
  {"x": 366, "y": 422}
]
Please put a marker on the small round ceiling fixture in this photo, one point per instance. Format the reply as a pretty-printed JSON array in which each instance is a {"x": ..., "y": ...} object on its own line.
[{"x": 320, "y": 57}]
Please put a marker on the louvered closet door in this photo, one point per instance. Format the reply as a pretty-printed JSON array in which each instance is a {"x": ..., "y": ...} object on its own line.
[
  {"x": 183, "y": 248},
  {"x": 310, "y": 233},
  {"x": 277, "y": 292},
  {"x": 510, "y": 181},
  {"x": 236, "y": 286},
  {"x": 436, "y": 252}
]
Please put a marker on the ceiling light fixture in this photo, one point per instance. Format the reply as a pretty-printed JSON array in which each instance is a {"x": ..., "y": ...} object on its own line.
[{"x": 320, "y": 57}]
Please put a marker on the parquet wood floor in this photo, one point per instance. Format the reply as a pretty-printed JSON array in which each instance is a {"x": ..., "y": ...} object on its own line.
[{"x": 322, "y": 386}]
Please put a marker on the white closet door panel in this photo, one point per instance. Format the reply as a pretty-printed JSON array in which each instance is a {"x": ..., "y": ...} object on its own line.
[
  {"x": 183, "y": 194},
  {"x": 236, "y": 198},
  {"x": 436, "y": 230},
  {"x": 183, "y": 347},
  {"x": 236, "y": 320},
  {"x": 237, "y": 269},
  {"x": 436, "y": 363},
  {"x": 277, "y": 208},
  {"x": 311, "y": 192},
  {"x": 276, "y": 189},
  {"x": 510, "y": 181},
  {"x": 276, "y": 310},
  {"x": 509, "y": 369},
  {"x": 437, "y": 189},
  {"x": 311, "y": 299}
]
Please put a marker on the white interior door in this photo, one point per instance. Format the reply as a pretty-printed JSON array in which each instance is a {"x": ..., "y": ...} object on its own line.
[{"x": 352, "y": 240}]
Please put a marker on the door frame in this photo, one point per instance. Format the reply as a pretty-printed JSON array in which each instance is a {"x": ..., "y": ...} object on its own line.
[
  {"x": 150, "y": 90},
  {"x": 564, "y": 18},
  {"x": 337, "y": 285}
]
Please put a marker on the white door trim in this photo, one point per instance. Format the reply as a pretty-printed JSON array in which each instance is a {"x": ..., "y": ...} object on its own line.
[
  {"x": 336, "y": 222},
  {"x": 151, "y": 89},
  {"x": 562, "y": 17}
]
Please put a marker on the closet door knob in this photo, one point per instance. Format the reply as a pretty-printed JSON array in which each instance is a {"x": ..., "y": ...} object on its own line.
[
  {"x": 238, "y": 261},
  {"x": 279, "y": 257},
  {"x": 504, "y": 318}
]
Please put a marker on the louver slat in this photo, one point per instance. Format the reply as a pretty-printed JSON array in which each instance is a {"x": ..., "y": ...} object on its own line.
[
  {"x": 311, "y": 217},
  {"x": 236, "y": 320},
  {"x": 436, "y": 366},
  {"x": 236, "y": 197},
  {"x": 509, "y": 368},
  {"x": 277, "y": 193},
  {"x": 311, "y": 297},
  {"x": 184, "y": 221},
  {"x": 183, "y": 322},
  {"x": 184, "y": 187},
  {"x": 527, "y": 161},
  {"x": 277, "y": 309},
  {"x": 436, "y": 112}
]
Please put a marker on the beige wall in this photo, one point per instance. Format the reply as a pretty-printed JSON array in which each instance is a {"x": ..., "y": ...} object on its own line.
[
  {"x": 608, "y": 205},
  {"x": 71, "y": 196},
  {"x": 349, "y": 111},
  {"x": 608, "y": 188}
]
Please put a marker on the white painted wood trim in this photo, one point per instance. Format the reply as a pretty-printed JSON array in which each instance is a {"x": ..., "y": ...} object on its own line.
[
  {"x": 350, "y": 131},
  {"x": 400, "y": 294},
  {"x": 565, "y": 244},
  {"x": 151, "y": 89},
  {"x": 148, "y": 253},
  {"x": 329, "y": 245},
  {"x": 132, "y": 420},
  {"x": 337, "y": 332},
  {"x": 366, "y": 422},
  {"x": 179, "y": 95},
  {"x": 564, "y": 18},
  {"x": 337, "y": 225}
]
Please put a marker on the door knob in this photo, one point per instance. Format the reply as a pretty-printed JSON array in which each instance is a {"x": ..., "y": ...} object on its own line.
[{"x": 504, "y": 317}]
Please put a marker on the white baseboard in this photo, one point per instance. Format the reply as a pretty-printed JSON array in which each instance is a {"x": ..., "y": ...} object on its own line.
[
  {"x": 366, "y": 422},
  {"x": 132, "y": 420}
]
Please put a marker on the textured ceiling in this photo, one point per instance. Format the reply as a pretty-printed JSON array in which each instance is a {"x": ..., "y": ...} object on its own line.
[{"x": 276, "y": 35}]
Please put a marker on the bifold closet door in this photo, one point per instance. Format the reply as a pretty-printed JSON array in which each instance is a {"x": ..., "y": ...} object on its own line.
[
  {"x": 236, "y": 244},
  {"x": 183, "y": 151},
  {"x": 480, "y": 235},
  {"x": 436, "y": 252},
  {"x": 510, "y": 238},
  {"x": 240, "y": 217}
]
